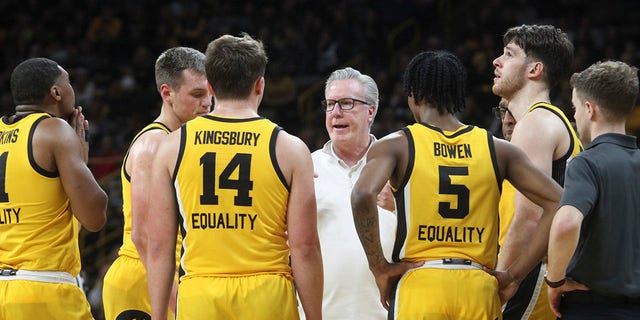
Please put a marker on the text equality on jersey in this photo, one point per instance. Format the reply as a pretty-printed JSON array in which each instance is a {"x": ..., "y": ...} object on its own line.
[
  {"x": 433, "y": 233},
  {"x": 223, "y": 220},
  {"x": 9, "y": 216}
]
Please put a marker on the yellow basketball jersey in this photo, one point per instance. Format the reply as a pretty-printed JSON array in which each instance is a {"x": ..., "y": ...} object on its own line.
[
  {"x": 448, "y": 200},
  {"x": 128, "y": 248},
  {"x": 558, "y": 167},
  {"x": 37, "y": 228},
  {"x": 506, "y": 208},
  {"x": 232, "y": 198}
]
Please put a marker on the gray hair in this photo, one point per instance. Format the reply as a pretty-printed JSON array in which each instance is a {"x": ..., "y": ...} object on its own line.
[{"x": 369, "y": 86}]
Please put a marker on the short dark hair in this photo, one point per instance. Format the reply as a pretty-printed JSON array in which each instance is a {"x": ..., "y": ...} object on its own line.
[
  {"x": 437, "y": 78},
  {"x": 613, "y": 85},
  {"x": 545, "y": 43},
  {"x": 173, "y": 61},
  {"x": 234, "y": 64},
  {"x": 32, "y": 79}
]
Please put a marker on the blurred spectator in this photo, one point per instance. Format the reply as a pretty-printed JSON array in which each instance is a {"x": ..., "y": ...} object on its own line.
[{"x": 109, "y": 47}]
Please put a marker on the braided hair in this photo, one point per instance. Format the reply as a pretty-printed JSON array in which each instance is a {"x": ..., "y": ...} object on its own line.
[{"x": 436, "y": 78}]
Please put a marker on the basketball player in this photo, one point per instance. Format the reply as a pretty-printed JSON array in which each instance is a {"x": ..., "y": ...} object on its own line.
[
  {"x": 446, "y": 178},
  {"x": 182, "y": 84},
  {"x": 242, "y": 191},
  {"x": 534, "y": 60},
  {"x": 46, "y": 189}
]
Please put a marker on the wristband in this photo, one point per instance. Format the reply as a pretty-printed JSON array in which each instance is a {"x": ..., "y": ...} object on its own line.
[{"x": 554, "y": 284}]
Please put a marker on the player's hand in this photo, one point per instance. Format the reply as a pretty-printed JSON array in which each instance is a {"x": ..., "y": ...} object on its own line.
[
  {"x": 81, "y": 126},
  {"x": 386, "y": 199},
  {"x": 555, "y": 294},
  {"x": 507, "y": 284},
  {"x": 388, "y": 275}
]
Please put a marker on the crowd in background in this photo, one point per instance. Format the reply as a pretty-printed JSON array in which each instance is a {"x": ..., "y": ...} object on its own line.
[{"x": 109, "y": 49}]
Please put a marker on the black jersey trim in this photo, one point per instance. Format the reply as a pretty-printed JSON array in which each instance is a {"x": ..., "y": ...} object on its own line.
[
  {"x": 221, "y": 119},
  {"x": 455, "y": 134},
  {"x": 494, "y": 161},
  {"x": 410, "y": 159},
  {"x": 401, "y": 228},
  {"x": 32, "y": 159},
  {"x": 126, "y": 155},
  {"x": 183, "y": 143},
  {"x": 274, "y": 159},
  {"x": 559, "y": 166}
]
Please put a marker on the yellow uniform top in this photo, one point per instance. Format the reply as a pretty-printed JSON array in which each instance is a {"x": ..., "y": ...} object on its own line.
[
  {"x": 128, "y": 248},
  {"x": 506, "y": 208},
  {"x": 448, "y": 201},
  {"x": 232, "y": 198},
  {"x": 37, "y": 228},
  {"x": 558, "y": 167}
]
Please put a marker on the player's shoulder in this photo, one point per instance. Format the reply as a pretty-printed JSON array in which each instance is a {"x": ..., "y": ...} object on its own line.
[
  {"x": 54, "y": 128},
  {"x": 288, "y": 139}
]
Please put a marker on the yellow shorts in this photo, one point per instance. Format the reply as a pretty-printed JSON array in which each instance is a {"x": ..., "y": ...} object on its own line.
[
  {"x": 531, "y": 301},
  {"x": 260, "y": 297},
  {"x": 125, "y": 294},
  {"x": 439, "y": 294},
  {"x": 542, "y": 309},
  {"x": 23, "y": 299}
]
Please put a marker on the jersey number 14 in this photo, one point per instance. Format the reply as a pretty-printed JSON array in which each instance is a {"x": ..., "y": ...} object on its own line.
[{"x": 243, "y": 184}]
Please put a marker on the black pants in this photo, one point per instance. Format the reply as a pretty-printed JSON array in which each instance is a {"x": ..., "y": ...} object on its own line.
[{"x": 587, "y": 305}]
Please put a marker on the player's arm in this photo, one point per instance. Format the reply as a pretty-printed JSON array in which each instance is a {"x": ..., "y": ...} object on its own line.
[
  {"x": 538, "y": 140},
  {"x": 138, "y": 165},
  {"x": 70, "y": 153},
  {"x": 162, "y": 227},
  {"x": 543, "y": 192},
  {"x": 377, "y": 171},
  {"x": 306, "y": 259},
  {"x": 386, "y": 161}
]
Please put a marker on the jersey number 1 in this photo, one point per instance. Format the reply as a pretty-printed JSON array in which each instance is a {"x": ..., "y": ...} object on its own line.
[
  {"x": 4, "y": 196},
  {"x": 244, "y": 184}
]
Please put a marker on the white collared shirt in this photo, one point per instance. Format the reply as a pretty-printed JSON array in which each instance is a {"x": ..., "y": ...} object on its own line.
[{"x": 350, "y": 290}]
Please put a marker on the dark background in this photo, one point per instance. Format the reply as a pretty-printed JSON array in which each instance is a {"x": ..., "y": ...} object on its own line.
[{"x": 110, "y": 47}]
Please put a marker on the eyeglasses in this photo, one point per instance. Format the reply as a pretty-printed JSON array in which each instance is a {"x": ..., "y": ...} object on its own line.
[
  {"x": 499, "y": 112},
  {"x": 344, "y": 103}
]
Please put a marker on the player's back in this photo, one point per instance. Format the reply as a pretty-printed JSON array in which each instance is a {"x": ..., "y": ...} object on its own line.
[
  {"x": 448, "y": 200},
  {"x": 232, "y": 198},
  {"x": 37, "y": 228}
]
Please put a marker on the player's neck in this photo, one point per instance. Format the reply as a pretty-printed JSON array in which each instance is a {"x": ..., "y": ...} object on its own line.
[
  {"x": 168, "y": 118},
  {"x": 235, "y": 108},
  {"x": 445, "y": 121},
  {"x": 31, "y": 108},
  {"x": 525, "y": 98}
]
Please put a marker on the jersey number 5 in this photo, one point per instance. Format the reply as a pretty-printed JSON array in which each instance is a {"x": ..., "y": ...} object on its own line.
[
  {"x": 446, "y": 187},
  {"x": 244, "y": 184}
]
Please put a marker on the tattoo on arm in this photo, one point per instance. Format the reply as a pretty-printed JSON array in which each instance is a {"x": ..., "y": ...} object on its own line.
[{"x": 367, "y": 227}]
